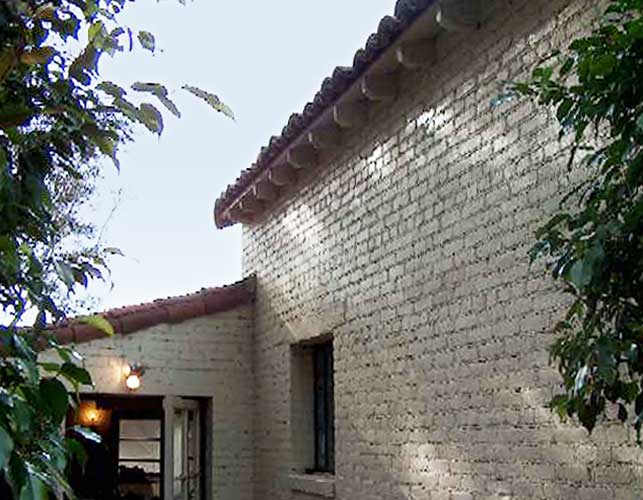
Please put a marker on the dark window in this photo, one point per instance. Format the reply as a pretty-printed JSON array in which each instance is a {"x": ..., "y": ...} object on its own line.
[{"x": 324, "y": 408}]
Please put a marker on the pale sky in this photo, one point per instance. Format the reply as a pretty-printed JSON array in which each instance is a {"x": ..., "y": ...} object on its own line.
[{"x": 265, "y": 59}]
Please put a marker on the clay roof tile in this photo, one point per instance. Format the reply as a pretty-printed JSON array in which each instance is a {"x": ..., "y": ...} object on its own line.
[
  {"x": 131, "y": 319},
  {"x": 389, "y": 29}
]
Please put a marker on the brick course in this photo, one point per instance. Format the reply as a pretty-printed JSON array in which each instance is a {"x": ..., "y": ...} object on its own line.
[{"x": 411, "y": 249}]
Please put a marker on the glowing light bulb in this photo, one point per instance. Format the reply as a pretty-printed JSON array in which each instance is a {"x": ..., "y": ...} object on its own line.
[
  {"x": 133, "y": 382},
  {"x": 127, "y": 370},
  {"x": 92, "y": 416}
]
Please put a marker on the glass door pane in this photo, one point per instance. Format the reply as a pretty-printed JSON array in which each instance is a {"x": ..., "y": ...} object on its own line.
[
  {"x": 179, "y": 465},
  {"x": 193, "y": 471},
  {"x": 139, "y": 458},
  {"x": 183, "y": 422}
]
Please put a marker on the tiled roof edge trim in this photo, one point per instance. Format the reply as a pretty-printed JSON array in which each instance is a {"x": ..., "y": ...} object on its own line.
[
  {"x": 389, "y": 30},
  {"x": 132, "y": 319}
]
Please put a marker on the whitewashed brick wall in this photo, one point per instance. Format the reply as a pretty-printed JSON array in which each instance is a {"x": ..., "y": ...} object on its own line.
[
  {"x": 411, "y": 249},
  {"x": 207, "y": 357}
]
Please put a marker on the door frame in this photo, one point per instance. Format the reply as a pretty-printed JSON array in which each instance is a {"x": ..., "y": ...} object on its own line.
[{"x": 203, "y": 407}]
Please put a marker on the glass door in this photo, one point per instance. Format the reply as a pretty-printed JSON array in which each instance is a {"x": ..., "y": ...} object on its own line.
[
  {"x": 139, "y": 458},
  {"x": 183, "y": 471}
]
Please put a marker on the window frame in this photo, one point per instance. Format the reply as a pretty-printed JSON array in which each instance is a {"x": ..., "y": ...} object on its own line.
[
  {"x": 324, "y": 407},
  {"x": 124, "y": 460}
]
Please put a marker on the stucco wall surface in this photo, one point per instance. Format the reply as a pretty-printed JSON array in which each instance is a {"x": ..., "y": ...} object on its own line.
[
  {"x": 411, "y": 249},
  {"x": 209, "y": 357}
]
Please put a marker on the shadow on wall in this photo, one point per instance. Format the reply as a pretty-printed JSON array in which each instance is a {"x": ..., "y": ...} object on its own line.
[{"x": 417, "y": 246}]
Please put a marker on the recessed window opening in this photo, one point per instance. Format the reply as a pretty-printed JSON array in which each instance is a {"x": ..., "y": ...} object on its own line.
[{"x": 324, "y": 408}]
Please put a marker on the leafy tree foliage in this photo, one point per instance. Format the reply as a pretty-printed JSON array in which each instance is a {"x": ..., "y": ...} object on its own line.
[
  {"x": 594, "y": 243},
  {"x": 57, "y": 120}
]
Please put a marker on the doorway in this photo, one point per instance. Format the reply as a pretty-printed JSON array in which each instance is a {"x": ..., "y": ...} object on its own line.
[
  {"x": 183, "y": 423},
  {"x": 151, "y": 448}
]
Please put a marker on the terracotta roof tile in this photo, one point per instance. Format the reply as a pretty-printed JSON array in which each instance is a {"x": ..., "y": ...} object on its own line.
[
  {"x": 135, "y": 318},
  {"x": 390, "y": 28}
]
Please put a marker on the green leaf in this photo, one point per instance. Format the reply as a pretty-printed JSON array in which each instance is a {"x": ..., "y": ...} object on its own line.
[
  {"x": 23, "y": 347},
  {"x": 606, "y": 361},
  {"x": 41, "y": 55},
  {"x": 114, "y": 251},
  {"x": 112, "y": 89},
  {"x": 54, "y": 393},
  {"x": 67, "y": 26},
  {"x": 50, "y": 367},
  {"x": 160, "y": 92},
  {"x": 27, "y": 368},
  {"x": 99, "y": 322},
  {"x": 586, "y": 269},
  {"x": 107, "y": 146},
  {"x": 214, "y": 102},
  {"x": 147, "y": 40},
  {"x": 8, "y": 60},
  {"x": 6, "y": 399},
  {"x": 603, "y": 65},
  {"x": 567, "y": 66},
  {"x": 559, "y": 405},
  {"x": 63, "y": 352},
  {"x": 638, "y": 404},
  {"x": 149, "y": 116},
  {"x": 587, "y": 416},
  {"x": 6, "y": 447},
  {"x": 563, "y": 109},
  {"x": 76, "y": 374},
  {"x": 34, "y": 489},
  {"x": 95, "y": 29},
  {"x": 65, "y": 273},
  {"x": 581, "y": 380},
  {"x": 127, "y": 108},
  {"x": 14, "y": 115},
  {"x": 46, "y": 12},
  {"x": 85, "y": 65},
  {"x": 543, "y": 73},
  {"x": 16, "y": 474},
  {"x": 52, "y": 472},
  {"x": 630, "y": 391},
  {"x": 86, "y": 433},
  {"x": 3, "y": 159},
  {"x": 77, "y": 451},
  {"x": 639, "y": 122},
  {"x": 579, "y": 275},
  {"x": 22, "y": 414}
]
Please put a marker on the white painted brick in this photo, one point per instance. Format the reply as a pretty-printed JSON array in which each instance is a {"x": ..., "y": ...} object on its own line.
[
  {"x": 204, "y": 357},
  {"x": 422, "y": 228}
]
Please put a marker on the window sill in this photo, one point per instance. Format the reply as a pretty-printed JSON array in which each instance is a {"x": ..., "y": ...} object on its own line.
[{"x": 321, "y": 485}]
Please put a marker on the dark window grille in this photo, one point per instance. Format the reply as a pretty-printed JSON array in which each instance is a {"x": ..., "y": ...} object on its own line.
[{"x": 324, "y": 408}]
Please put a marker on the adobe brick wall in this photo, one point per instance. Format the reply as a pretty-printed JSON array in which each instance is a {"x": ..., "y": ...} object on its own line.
[
  {"x": 211, "y": 357},
  {"x": 411, "y": 249}
]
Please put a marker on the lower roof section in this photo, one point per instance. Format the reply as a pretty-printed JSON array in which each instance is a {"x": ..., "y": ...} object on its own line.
[{"x": 131, "y": 319}]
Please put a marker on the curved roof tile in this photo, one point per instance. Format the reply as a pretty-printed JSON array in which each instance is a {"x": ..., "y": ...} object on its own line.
[
  {"x": 389, "y": 29},
  {"x": 131, "y": 319}
]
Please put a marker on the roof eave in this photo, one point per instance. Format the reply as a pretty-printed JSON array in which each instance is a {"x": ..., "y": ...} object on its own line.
[
  {"x": 172, "y": 310},
  {"x": 403, "y": 43}
]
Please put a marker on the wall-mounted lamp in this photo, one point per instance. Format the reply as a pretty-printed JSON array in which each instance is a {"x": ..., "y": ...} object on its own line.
[{"x": 133, "y": 376}]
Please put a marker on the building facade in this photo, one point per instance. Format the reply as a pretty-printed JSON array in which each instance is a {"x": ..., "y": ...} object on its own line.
[
  {"x": 408, "y": 243},
  {"x": 397, "y": 344},
  {"x": 195, "y": 355}
]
